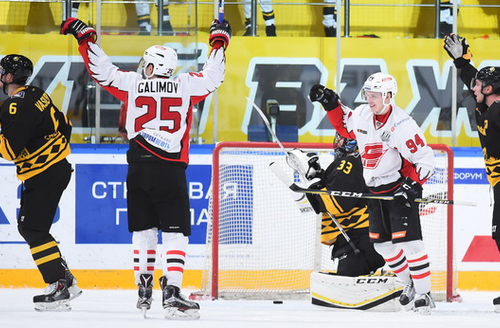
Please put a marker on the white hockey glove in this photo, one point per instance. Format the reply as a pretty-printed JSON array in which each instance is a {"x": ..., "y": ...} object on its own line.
[
  {"x": 457, "y": 48},
  {"x": 306, "y": 164},
  {"x": 424, "y": 171}
]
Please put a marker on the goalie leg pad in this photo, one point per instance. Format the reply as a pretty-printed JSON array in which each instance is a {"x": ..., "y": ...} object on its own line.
[{"x": 374, "y": 293}]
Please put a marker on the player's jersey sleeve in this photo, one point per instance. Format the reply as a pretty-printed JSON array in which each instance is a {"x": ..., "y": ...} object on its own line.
[
  {"x": 341, "y": 119},
  {"x": 105, "y": 73},
  {"x": 201, "y": 84}
]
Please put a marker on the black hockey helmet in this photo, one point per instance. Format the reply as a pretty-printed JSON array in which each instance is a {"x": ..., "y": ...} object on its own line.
[
  {"x": 489, "y": 75},
  {"x": 344, "y": 146},
  {"x": 19, "y": 66}
]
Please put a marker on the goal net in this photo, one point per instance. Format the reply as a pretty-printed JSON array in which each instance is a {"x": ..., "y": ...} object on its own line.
[{"x": 262, "y": 245}]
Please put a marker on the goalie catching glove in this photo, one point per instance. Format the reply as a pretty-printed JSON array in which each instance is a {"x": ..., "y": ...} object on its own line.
[
  {"x": 407, "y": 192},
  {"x": 79, "y": 29},
  {"x": 306, "y": 164},
  {"x": 458, "y": 49},
  {"x": 220, "y": 34},
  {"x": 326, "y": 97}
]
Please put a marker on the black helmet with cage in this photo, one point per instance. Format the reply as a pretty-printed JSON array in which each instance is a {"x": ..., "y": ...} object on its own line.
[
  {"x": 344, "y": 146},
  {"x": 489, "y": 75},
  {"x": 19, "y": 66}
]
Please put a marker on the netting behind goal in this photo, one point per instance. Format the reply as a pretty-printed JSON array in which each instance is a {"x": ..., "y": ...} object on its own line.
[{"x": 262, "y": 245}]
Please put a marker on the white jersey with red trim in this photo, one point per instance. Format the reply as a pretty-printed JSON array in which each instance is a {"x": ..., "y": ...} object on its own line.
[
  {"x": 389, "y": 149},
  {"x": 158, "y": 109}
]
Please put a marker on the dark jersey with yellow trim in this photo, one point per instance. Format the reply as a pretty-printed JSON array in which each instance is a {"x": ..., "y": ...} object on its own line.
[
  {"x": 346, "y": 174},
  {"x": 35, "y": 134},
  {"x": 488, "y": 128}
]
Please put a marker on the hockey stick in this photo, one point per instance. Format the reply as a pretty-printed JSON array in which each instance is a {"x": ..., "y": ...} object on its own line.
[
  {"x": 342, "y": 231},
  {"x": 221, "y": 11},
  {"x": 278, "y": 171},
  {"x": 268, "y": 126}
]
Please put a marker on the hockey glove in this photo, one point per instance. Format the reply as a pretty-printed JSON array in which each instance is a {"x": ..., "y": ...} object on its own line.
[
  {"x": 326, "y": 97},
  {"x": 407, "y": 192},
  {"x": 458, "y": 49},
  {"x": 220, "y": 34},
  {"x": 306, "y": 164},
  {"x": 79, "y": 29}
]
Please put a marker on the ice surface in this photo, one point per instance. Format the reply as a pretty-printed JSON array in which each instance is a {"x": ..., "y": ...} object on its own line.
[{"x": 116, "y": 309}]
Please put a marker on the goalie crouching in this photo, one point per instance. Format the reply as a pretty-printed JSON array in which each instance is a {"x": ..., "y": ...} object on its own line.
[{"x": 345, "y": 229}]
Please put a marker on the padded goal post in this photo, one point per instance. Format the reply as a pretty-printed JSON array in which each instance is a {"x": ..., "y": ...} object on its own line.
[{"x": 262, "y": 245}]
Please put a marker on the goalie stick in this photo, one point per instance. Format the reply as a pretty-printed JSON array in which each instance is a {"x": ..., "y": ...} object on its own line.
[
  {"x": 268, "y": 126},
  {"x": 278, "y": 171},
  {"x": 342, "y": 231}
]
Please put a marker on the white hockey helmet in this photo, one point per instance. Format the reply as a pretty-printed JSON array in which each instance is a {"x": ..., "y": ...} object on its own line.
[
  {"x": 380, "y": 82},
  {"x": 163, "y": 59}
]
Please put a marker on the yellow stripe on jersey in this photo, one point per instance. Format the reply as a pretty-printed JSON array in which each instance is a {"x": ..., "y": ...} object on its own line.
[
  {"x": 331, "y": 204},
  {"x": 492, "y": 170},
  {"x": 29, "y": 165},
  {"x": 356, "y": 218},
  {"x": 5, "y": 149}
]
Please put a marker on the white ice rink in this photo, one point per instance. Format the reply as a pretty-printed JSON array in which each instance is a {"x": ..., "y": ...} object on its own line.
[{"x": 116, "y": 309}]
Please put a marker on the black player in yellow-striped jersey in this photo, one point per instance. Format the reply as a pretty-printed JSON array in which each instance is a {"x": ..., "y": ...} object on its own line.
[
  {"x": 484, "y": 86},
  {"x": 345, "y": 173},
  {"x": 35, "y": 135}
]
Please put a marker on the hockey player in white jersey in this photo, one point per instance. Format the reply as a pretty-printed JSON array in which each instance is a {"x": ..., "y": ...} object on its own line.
[
  {"x": 158, "y": 120},
  {"x": 396, "y": 161}
]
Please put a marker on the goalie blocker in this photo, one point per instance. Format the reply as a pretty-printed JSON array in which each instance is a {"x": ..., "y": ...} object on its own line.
[{"x": 372, "y": 292}]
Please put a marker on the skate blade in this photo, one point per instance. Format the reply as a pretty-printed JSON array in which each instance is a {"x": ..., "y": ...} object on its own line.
[
  {"x": 144, "y": 311},
  {"x": 74, "y": 292},
  {"x": 175, "y": 314},
  {"x": 409, "y": 307},
  {"x": 58, "y": 306},
  {"x": 424, "y": 310},
  {"x": 497, "y": 308}
]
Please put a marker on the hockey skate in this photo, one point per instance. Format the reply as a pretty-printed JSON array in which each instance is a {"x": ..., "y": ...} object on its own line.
[
  {"x": 407, "y": 297},
  {"x": 74, "y": 290},
  {"x": 424, "y": 303},
  {"x": 54, "y": 298},
  {"x": 145, "y": 293},
  {"x": 496, "y": 303},
  {"x": 176, "y": 305}
]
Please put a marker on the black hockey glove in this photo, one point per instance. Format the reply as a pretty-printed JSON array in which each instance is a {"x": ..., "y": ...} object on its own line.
[
  {"x": 458, "y": 49},
  {"x": 220, "y": 34},
  {"x": 79, "y": 29},
  {"x": 326, "y": 97},
  {"x": 407, "y": 192}
]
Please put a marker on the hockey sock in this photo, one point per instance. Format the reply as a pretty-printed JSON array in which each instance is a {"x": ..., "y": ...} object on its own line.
[
  {"x": 48, "y": 260},
  {"x": 420, "y": 272},
  {"x": 144, "y": 243},
  {"x": 175, "y": 247},
  {"x": 395, "y": 259}
]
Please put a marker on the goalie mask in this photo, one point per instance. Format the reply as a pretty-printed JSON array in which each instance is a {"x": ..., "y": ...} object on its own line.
[
  {"x": 489, "y": 75},
  {"x": 343, "y": 146},
  {"x": 163, "y": 59},
  {"x": 306, "y": 164}
]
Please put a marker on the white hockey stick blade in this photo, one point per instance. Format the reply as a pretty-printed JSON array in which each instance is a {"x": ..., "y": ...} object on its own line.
[{"x": 278, "y": 171}]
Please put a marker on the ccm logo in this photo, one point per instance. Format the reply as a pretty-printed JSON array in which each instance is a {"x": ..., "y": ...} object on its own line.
[{"x": 372, "y": 280}]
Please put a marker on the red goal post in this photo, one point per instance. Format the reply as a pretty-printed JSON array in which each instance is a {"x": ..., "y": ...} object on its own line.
[{"x": 260, "y": 245}]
